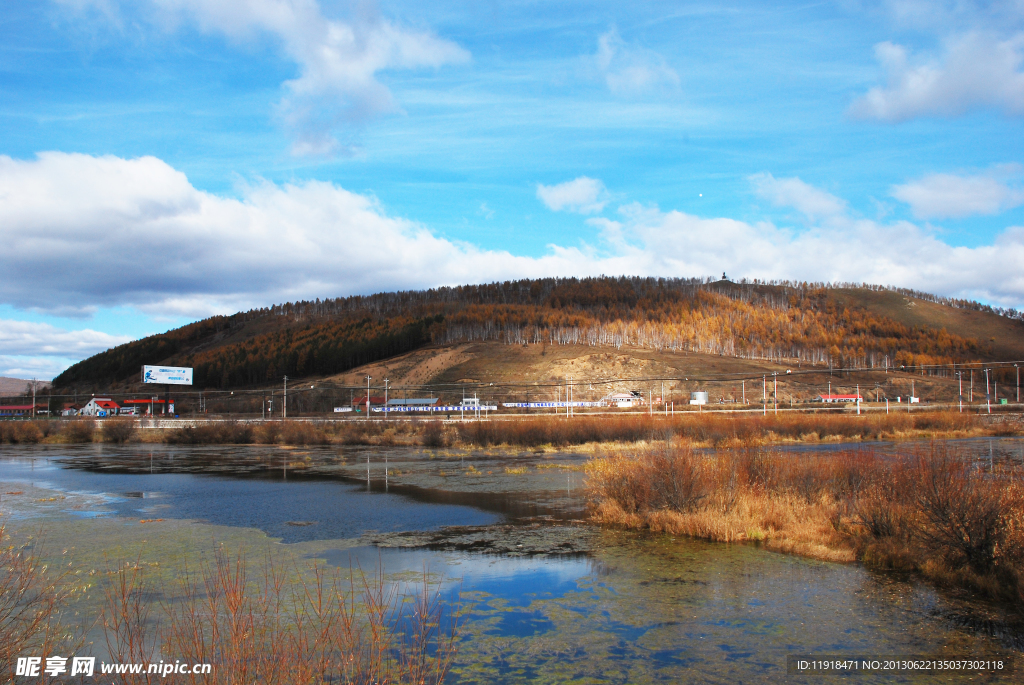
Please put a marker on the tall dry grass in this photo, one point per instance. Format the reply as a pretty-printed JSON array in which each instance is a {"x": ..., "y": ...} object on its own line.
[
  {"x": 710, "y": 428},
  {"x": 118, "y": 430},
  {"x": 304, "y": 433},
  {"x": 27, "y": 432},
  {"x": 932, "y": 510},
  {"x": 295, "y": 433},
  {"x": 262, "y": 629},
  {"x": 20, "y": 432},
  {"x": 221, "y": 433},
  {"x": 33, "y": 599},
  {"x": 77, "y": 430},
  {"x": 713, "y": 428}
]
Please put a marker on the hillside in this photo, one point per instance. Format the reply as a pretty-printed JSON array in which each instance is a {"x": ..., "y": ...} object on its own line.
[
  {"x": 792, "y": 323},
  {"x": 496, "y": 372},
  {"x": 10, "y": 387}
]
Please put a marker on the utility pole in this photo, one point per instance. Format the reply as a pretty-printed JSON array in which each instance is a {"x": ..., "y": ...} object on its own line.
[
  {"x": 988, "y": 398},
  {"x": 386, "y": 381},
  {"x": 368, "y": 409},
  {"x": 960, "y": 397},
  {"x": 775, "y": 392},
  {"x": 764, "y": 390},
  {"x": 744, "y": 392},
  {"x": 33, "y": 398},
  {"x": 1016, "y": 366},
  {"x": 972, "y": 386},
  {"x": 284, "y": 409}
]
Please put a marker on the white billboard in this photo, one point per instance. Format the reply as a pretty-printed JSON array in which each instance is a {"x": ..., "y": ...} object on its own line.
[{"x": 168, "y": 375}]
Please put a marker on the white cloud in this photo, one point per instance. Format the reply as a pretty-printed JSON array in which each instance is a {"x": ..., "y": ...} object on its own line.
[
  {"x": 38, "y": 350},
  {"x": 87, "y": 231},
  {"x": 679, "y": 244},
  {"x": 26, "y": 338},
  {"x": 41, "y": 368},
  {"x": 948, "y": 196},
  {"x": 81, "y": 231},
  {"x": 583, "y": 195},
  {"x": 339, "y": 61},
  {"x": 977, "y": 69},
  {"x": 631, "y": 71},
  {"x": 792, "y": 192}
]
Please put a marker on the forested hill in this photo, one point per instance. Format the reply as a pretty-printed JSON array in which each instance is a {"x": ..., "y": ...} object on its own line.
[{"x": 814, "y": 323}]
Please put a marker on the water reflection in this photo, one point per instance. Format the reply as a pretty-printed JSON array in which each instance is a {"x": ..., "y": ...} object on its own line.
[
  {"x": 330, "y": 508},
  {"x": 652, "y": 609}
]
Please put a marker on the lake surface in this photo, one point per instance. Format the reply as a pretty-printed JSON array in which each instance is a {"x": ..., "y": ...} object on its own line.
[{"x": 632, "y": 608}]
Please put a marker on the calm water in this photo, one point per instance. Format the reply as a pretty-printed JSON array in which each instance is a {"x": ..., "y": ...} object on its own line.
[
  {"x": 339, "y": 509},
  {"x": 636, "y": 609}
]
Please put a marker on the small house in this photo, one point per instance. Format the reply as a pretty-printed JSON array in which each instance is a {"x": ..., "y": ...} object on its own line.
[
  {"x": 625, "y": 400},
  {"x": 100, "y": 406}
]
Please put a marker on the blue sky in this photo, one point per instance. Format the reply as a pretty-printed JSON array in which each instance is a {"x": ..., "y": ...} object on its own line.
[{"x": 164, "y": 160}]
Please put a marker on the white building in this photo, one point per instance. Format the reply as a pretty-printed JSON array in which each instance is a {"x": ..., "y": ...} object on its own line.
[
  {"x": 100, "y": 406},
  {"x": 625, "y": 400}
]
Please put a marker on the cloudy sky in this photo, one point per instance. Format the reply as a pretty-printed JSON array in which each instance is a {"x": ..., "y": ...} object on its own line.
[{"x": 165, "y": 160}]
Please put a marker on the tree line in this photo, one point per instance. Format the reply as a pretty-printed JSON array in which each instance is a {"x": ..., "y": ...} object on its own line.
[{"x": 772, "y": 321}]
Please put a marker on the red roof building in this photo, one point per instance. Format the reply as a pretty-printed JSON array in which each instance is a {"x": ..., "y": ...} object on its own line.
[
  {"x": 100, "y": 406},
  {"x": 21, "y": 409}
]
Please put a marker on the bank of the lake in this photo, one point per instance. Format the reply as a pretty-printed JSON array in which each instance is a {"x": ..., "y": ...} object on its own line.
[{"x": 587, "y": 432}]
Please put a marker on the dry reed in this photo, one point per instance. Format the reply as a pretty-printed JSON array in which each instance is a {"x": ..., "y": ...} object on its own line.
[
  {"x": 33, "y": 598},
  {"x": 712, "y": 428},
  {"x": 221, "y": 433},
  {"x": 118, "y": 431},
  {"x": 261, "y": 629},
  {"x": 77, "y": 431},
  {"x": 931, "y": 510},
  {"x": 708, "y": 428}
]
